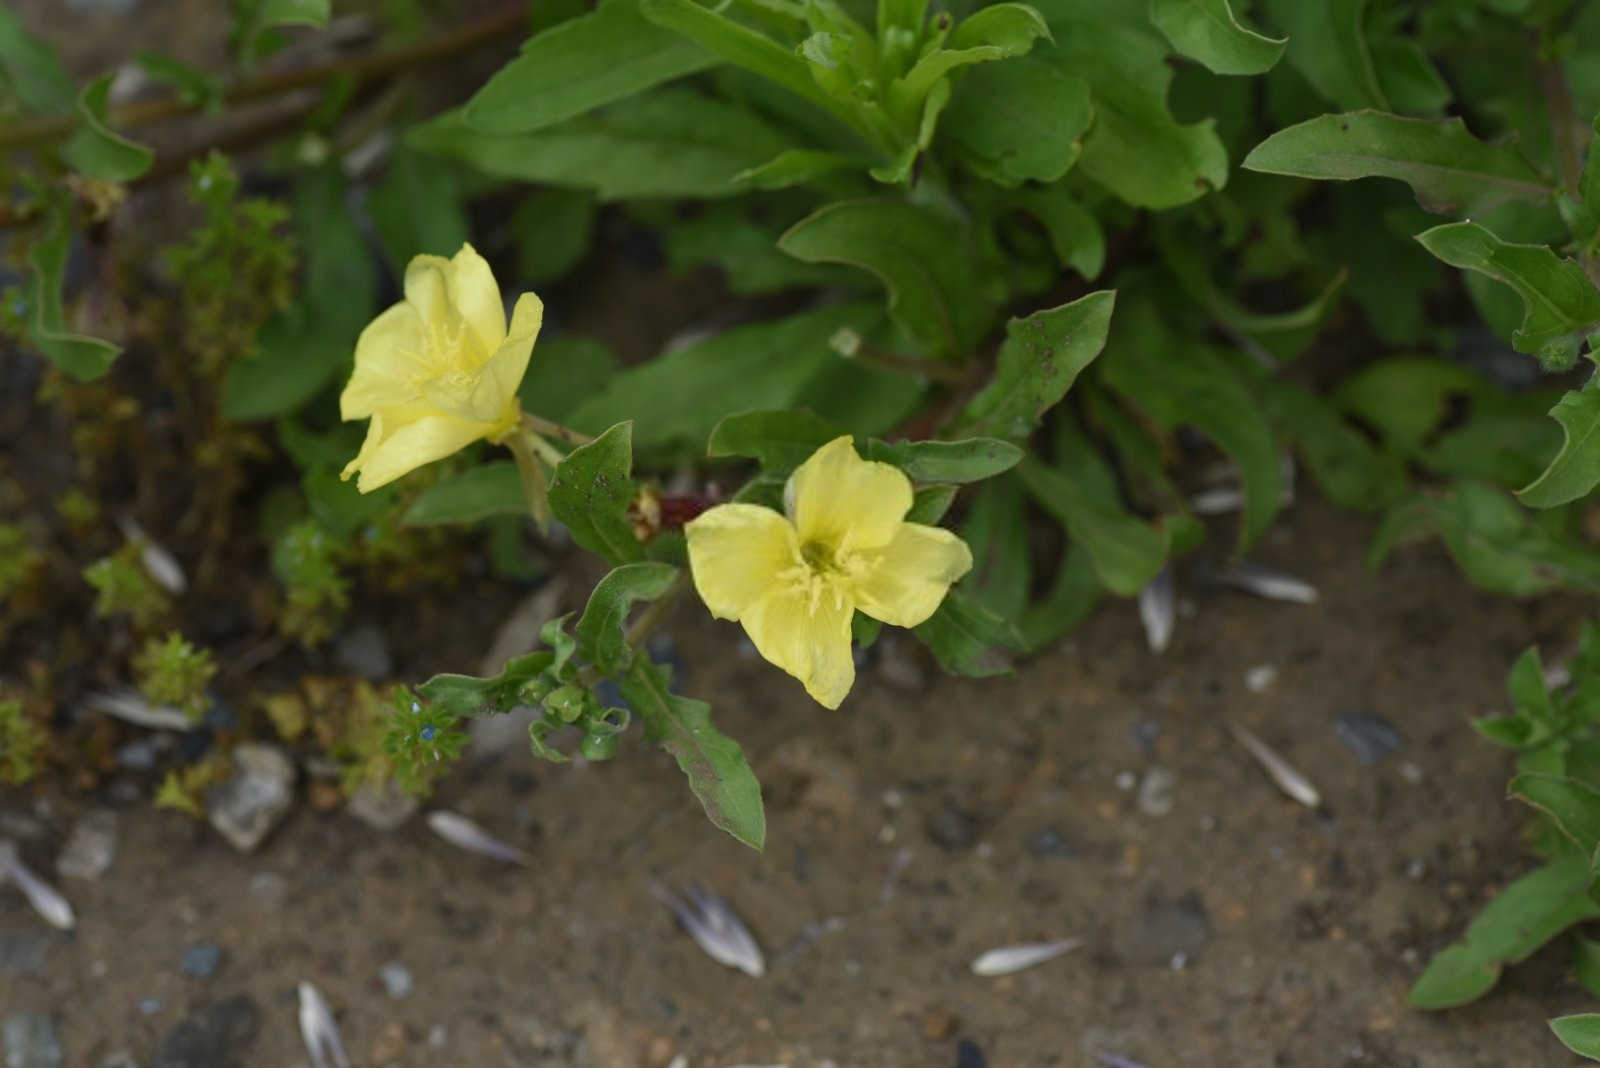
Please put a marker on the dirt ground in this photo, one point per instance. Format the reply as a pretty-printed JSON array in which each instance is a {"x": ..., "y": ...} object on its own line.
[{"x": 908, "y": 834}]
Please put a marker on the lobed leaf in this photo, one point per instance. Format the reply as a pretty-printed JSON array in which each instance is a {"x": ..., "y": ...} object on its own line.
[
  {"x": 1575, "y": 471},
  {"x": 96, "y": 149},
  {"x": 601, "y": 638}
]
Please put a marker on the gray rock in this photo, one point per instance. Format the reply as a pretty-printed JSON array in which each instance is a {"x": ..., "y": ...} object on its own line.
[
  {"x": 383, "y": 807},
  {"x": 364, "y": 650},
  {"x": 952, "y": 828},
  {"x": 29, "y": 1041},
  {"x": 139, "y": 756},
  {"x": 23, "y": 951},
  {"x": 91, "y": 846},
  {"x": 246, "y": 807},
  {"x": 1165, "y": 932},
  {"x": 201, "y": 960},
  {"x": 1155, "y": 792},
  {"x": 213, "y": 1036},
  {"x": 396, "y": 979}
]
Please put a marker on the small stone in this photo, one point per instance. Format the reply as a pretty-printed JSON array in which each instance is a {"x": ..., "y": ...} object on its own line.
[
  {"x": 968, "y": 1055},
  {"x": 384, "y": 807},
  {"x": 1155, "y": 792},
  {"x": 91, "y": 846},
  {"x": 246, "y": 807},
  {"x": 438, "y": 1035},
  {"x": 30, "y": 1042},
  {"x": 1050, "y": 842},
  {"x": 952, "y": 828},
  {"x": 23, "y": 951},
  {"x": 899, "y": 665},
  {"x": 149, "y": 1006},
  {"x": 1368, "y": 737},
  {"x": 138, "y": 756},
  {"x": 120, "y": 1059},
  {"x": 213, "y": 1036},
  {"x": 1125, "y": 780},
  {"x": 1260, "y": 678},
  {"x": 201, "y": 961},
  {"x": 396, "y": 979},
  {"x": 940, "y": 1025},
  {"x": 1164, "y": 929},
  {"x": 390, "y": 1045},
  {"x": 364, "y": 650},
  {"x": 1410, "y": 772}
]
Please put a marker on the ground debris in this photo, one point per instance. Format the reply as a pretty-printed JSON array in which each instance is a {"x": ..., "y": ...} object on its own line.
[
  {"x": 1008, "y": 959},
  {"x": 1288, "y": 779},
  {"x": 715, "y": 927},
  {"x": 460, "y": 831}
]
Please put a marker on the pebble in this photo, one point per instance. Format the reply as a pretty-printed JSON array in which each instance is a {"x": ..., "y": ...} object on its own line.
[
  {"x": 1165, "y": 930},
  {"x": 952, "y": 828},
  {"x": 23, "y": 951},
  {"x": 1155, "y": 792},
  {"x": 149, "y": 1006},
  {"x": 139, "y": 756},
  {"x": 120, "y": 1059},
  {"x": 385, "y": 807},
  {"x": 396, "y": 979},
  {"x": 201, "y": 960},
  {"x": 364, "y": 650},
  {"x": 91, "y": 846},
  {"x": 1050, "y": 842},
  {"x": 1259, "y": 678},
  {"x": 30, "y": 1042},
  {"x": 213, "y": 1036},
  {"x": 1370, "y": 738},
  {"x": 968, "y": 1055},
  {"x": 246, "y": 807}
]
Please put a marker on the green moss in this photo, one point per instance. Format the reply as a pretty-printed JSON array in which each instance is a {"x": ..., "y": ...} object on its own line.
[{"x": 172, "y": 672}]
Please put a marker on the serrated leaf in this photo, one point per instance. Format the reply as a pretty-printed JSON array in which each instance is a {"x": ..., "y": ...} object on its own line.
[
  {"x": 1575, "y": 471},
  {"x": 1450, "y": 171},
  {"x": 477, "y": 493},
  {"x": 671, "y": 142},
  {"x": 1020, "y": 120},
  {"x": 1579, "y": 1032},
  {"x": 1041, "y": 357},
  {"x": 968, "y": 639},
  {"x": 1561, "y": 306},
  {"x": 779, "y": 441},
  {"x": 81, "y": 356},
  {"x": 96, "y": 149},
  {"x": 590, "y": 493},
  {"x": 968, "y": 460},
  {"x": 601, "y": 638},
  {"x": 1521, "y": 918},
  {"x": 923, "y": 260},
  {"x": 580, "y": 64},
  {"x": 1208, "y": 31},
  {"x": 1328, "y": 45},
  {"x": 716, "y": 767},
  {"x": 1136, "y": 149},
  {"x": 1573, "y": 806}
]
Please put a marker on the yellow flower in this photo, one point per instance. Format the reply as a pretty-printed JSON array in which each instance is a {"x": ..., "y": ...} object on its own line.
[
  {"x": 438, "y": 370},
  {"x": 794, "y": 581}
]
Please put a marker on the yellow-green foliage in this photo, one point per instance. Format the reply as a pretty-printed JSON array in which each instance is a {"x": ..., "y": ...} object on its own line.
[
  {"x": 22, "y": 744},
  {"x": 172, "y": 672},
  {"x": 123, "y": 585},
  {"x": 19, "y": 561},
  {"x": 235, "y": 269},
  {"x": 306, "y": 560}
]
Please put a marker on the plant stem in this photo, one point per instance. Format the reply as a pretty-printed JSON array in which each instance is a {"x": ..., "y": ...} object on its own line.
[
  {"x": 547, "y": 428},
  {"x": 1566, "y": 131},
  {"x": 889, "y": 361},
  {"x": 652, "y": 616}
]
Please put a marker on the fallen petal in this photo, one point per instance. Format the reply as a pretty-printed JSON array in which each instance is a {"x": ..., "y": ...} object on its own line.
[
  {"x": 1008, "y": 959},
  {"x": 458, "y": 830},
  {"x": 715, "y": 927},
  {"x": 1265, "y": 582},
  {"x": 160, "y": 564},
  {"x": 1289, "y": 780},
  {"x": 320, "y": 1033},
  {"x": 46, "y": 900},
  {"x": 1158, "y": 610},
  {"x": 131, "y": 706}
]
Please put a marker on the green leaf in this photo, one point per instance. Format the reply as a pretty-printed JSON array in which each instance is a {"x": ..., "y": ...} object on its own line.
[
  {"x": 1529, "y": 695},
  {"x": 678, "y": 398},
  {"x": 968, "y": 639},
  {"x": 1208, "y": 31},
  {"x": 1405, "y": 398},
  {"x": 1579, "y": 1032},
  {"x": 31, "y": 67},
  {"x": 1576, "y": 469},
  {"x": 96, "y": 149},
  {"x": 998, "y": 31},
  {"x": 255, "y": 18},
  {"x": 552, "y": 228},
  {"x": 1450, "y": 171},
  {"x": 748, "y": 254},
  {"x": 580, "y": 64},
  {"x": 565, "y": 371},
  {"x": 716, "y": 767},
  {"x": 404, "y": 226},
  {"x": 1561, "y": 306},
  {"x": 923, "y": 260},
  {"x": 477, "y": 493},
  {"x": 1073, "y": 595},
  {"x": 600, "y": 632},
  {"x": 1136, "y": 149},
  {"x": 195, "y": 87},
  {"x": 1520, "y": 919},
  {"x": 797, "y": 166},
  {"x": 1020, "y": 120},
  {"x": 1328, "y": 46},
  {"x": 1343, "y": 460},
  {"x": 1573, "y": 806},
  {"x": 591, "y": 491},
  {"x": 1074, "y": 232},
  {"x": 1586, "y": 962},
  {"x": 779, "y": 440},
  {"x": 930, "y": 503},
  {"x": 1126, "y": 551},
  {"x": 471, "y": 696},
  {"x": 1409, "y": 79},
  {"x": 1041, "y": 357},
  {"x": 307, "y": 347},
  {"x": 969, "y": 460},
  {"x": 996, "y": 530},
  {"x": 84, "y": 358},
  {"x": 671, "y": 142}
]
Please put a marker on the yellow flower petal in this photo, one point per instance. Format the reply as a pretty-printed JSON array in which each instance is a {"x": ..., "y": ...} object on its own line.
[
  {"x": 428, "y": 292},
  {"x": 911, "y": 576},
  {"x": 388, "y": 362},
  {"x": 389, "y": 453},
  {"x": 736, "y": 552},
  {"x": 811, "y": 641},
  {"x": 845, "y": 503},
  {"x": 476, "y": 296},
  {"x": 510, "y": 361}
]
